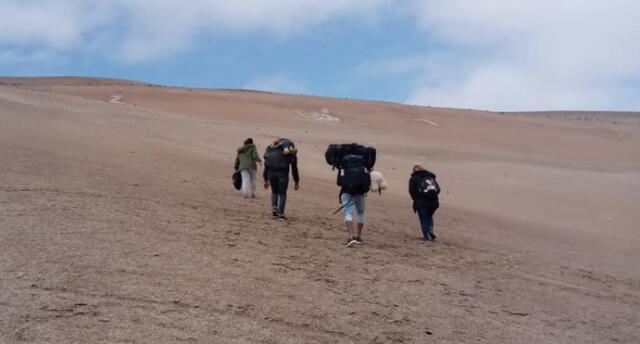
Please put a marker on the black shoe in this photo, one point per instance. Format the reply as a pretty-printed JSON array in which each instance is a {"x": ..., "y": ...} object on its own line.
[
  {"x": 274, "y": 214},
  {"x": 433, "y": 236},
  {"x": 352, "y": 241},
  {"x": 282, "y": 217}
]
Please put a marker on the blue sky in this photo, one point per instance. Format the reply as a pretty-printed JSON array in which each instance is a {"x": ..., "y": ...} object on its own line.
[{"x": 484, "y": 54}]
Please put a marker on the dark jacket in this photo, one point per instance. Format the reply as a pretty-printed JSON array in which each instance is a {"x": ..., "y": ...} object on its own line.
[
  {"x": 419, "y": 200},
  {"x": 292, "y": 163},
  {"x": 247, "y": 158}
]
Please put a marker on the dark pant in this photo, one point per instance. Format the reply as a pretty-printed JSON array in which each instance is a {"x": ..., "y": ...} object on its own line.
[
  {"x": 279, "y": 185},
  {"x": 426, "y": 221}
]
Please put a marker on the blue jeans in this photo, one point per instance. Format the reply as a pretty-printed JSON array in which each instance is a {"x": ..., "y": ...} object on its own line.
[
  {"x": 426, "y": 222},
  {"x": 350, "y": 201},
  {"x": 279, "y": 185}
]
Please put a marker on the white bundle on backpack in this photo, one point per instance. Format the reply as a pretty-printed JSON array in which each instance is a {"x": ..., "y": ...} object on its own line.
[{"x": 378, "y": 183}]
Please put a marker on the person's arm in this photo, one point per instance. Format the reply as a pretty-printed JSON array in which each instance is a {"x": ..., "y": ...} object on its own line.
[
  {"x": 256, "y": 157},
  {"x": 294, "y": 168},
  {"x": 265, "y": 175},
  {"x": 412, "y": 188}
]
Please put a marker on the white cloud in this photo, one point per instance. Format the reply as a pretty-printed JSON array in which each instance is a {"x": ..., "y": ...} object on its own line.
[
  {"x": 544, "y": 54},
  {"x": 488, "y": 54},
  {"x": 276, "y": 83},
  {"x": 139, "y": 30}
]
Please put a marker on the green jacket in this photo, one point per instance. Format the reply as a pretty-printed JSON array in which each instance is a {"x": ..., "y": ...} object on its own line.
[{"x": 247, "y": 158}]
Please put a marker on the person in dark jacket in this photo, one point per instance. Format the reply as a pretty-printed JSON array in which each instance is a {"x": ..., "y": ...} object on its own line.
[
  {"x": 247, "y": 161},
  {"x": 424, "y": 191},
  {"x": 277, "y": 164}
]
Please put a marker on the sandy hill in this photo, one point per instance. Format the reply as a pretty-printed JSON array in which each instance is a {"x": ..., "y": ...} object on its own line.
[{"x": 118, "y": 222}]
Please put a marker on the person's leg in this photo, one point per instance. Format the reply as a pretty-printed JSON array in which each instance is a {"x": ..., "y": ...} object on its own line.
[
  {"x": 359, "y": 201},
  {"x": 350, "y": 230},
  {"x": 246, "y": 183},
  {"x": 275, "y": 187},
  {"x": 426, "y": 222},
  {"x": 252, "y": 178},
  {"x": 429, "y": 224},
  {"x": 431, "y": 233},
  {"x": 359, "y": 232},
  {"x": 282, "y": 194},
  {"x": 347, "y": 203}
]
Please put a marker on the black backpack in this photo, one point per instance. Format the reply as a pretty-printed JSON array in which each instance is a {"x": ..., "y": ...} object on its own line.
[
  {"x": 274, "y": 158},
  {"x": 353, "y": 176},
  {"x": 428, "y": 188},
  {"x": 336, "y": 152}
]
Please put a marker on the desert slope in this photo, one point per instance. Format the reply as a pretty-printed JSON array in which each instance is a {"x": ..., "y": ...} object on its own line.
[{"x": 118, "y": 222}]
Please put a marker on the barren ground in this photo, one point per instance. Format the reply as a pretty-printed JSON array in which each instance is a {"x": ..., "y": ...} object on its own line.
[{"x": 118, "y": 222}]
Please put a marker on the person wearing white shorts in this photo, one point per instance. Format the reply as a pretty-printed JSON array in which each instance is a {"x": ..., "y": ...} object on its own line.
[{"x": 350, "y": 203}]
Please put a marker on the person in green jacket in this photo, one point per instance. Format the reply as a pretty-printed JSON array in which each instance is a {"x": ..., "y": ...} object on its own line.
[{"x": 247, "y": 162}]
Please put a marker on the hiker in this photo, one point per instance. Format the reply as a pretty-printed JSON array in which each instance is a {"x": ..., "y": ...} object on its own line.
[
  {"x": 354, "y": 163},
  {"x": 424, "y": 190},
  {"x": 247, "y": 161},
  {"x": 277, "y": 164},
  {"x": 354, "y": 181}
]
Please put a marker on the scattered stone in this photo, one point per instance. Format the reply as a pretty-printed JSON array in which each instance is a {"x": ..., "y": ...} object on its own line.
[{"x": 522, "y": 314}]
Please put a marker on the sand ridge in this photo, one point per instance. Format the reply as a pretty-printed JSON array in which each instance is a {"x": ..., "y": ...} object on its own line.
[{"x": 119, "y": 223}]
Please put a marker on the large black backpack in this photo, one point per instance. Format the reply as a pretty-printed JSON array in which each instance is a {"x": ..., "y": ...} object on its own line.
[
  {"x": 353, "y": 176},
  {"x": 336, "y": 152},
  {"x": 274, "y": 158}
]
